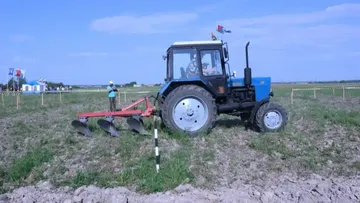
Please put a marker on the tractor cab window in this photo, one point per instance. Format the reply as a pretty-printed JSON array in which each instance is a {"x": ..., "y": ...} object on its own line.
[
  {"x": 211, "y": 62},
  {"x": 184, "y": 64}
]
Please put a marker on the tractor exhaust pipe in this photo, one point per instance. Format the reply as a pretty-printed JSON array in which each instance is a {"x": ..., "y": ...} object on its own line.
[{"x": 247, "y": 70}]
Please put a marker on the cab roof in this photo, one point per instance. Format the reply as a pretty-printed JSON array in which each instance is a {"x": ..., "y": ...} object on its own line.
[{"x": 203, "y": 42}]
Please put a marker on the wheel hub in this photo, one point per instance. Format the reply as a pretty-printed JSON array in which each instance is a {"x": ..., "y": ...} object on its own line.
[
  {"x": 190, "y": 114},
  {"x": 273, "y": 119}
]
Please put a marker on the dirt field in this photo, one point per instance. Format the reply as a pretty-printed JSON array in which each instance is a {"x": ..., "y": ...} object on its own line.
[{"x": 317, "y": 157}]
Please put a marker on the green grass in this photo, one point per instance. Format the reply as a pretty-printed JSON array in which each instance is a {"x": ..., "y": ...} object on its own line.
[
  {"x": 22, "y": 166},
  {"x": 139, "y": 172},
  {"x": 323, "y": 114},
  {"x": 38, "y": 143}
]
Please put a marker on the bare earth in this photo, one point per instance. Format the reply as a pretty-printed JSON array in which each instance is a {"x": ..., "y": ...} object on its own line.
[{"x": 280, "y": 189}]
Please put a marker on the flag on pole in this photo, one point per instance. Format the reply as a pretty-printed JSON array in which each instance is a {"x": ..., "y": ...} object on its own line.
[
  {"x": 22, "y": 72},
  {"x": 222, "y": 30},
  {"x": 18, "y": 73},
  {"x": 11, "y": 71}
]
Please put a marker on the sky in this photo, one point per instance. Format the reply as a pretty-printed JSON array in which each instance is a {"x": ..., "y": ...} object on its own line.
[{"x": 93, "y": 42}]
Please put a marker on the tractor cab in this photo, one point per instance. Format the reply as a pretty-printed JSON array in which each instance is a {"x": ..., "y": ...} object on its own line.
[{"x": 199, "y": 62}]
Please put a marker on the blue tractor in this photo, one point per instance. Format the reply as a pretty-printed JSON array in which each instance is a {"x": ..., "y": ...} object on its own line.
[{"x": 199, "y": 87}]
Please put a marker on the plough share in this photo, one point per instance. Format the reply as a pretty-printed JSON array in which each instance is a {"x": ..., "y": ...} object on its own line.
[{"x": 131, "y": 112}]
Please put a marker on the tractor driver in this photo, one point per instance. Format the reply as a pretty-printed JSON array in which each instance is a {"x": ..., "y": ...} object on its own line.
[
  {"x": 192, "y": 71},
  {"x": 209, "y": 71}
]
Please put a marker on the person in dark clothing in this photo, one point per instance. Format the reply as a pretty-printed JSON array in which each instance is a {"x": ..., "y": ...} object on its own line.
[
  {"x": 112, "y": 95},
  {"x": 192, "y": 70}
]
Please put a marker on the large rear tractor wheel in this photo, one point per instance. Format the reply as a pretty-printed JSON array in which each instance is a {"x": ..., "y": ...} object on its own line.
[
  {"x": 190, "y": 109},
  {"x": 271, "y": 117}
]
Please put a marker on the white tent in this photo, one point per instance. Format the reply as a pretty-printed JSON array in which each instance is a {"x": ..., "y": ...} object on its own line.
[{"x": 33, "y": 87}]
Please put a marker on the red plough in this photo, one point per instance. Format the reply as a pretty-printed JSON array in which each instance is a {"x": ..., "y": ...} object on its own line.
[{"x": 131, "y": 112}]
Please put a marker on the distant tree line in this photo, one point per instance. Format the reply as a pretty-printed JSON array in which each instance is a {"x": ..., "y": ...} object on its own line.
[
  {"x": 24, "y": 81},
  {"x": 55, "y": 84},
  {"x": 130, "y": 84},
  {"x": 11, "y": 83},
  {"x": 320, "y": 82},
  {"x": 340, "y": 81}
]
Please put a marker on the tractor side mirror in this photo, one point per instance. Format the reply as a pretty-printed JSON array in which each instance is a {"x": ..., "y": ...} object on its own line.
[{"x": 164, "y": 57}]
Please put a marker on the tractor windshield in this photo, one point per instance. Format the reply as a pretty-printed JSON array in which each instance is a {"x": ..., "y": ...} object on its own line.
[{"x": 185, "y": 64}]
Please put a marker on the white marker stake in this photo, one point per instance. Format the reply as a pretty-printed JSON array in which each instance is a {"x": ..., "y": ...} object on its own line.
[{"x": 156, "y": 146}]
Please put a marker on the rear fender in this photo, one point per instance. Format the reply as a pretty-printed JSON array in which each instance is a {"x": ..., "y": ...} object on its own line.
[
  {"x": 168, "y": 87},
  {"x": 256, "y": 108}
]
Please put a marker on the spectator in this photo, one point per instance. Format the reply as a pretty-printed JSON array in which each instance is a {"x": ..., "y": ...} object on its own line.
[{"x": 112, "y": 95}]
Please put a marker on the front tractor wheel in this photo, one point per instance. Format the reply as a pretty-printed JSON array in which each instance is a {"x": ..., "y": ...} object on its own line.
[
  {"x": 190, "y": 109},
  {"x": 271, "y": 117}
]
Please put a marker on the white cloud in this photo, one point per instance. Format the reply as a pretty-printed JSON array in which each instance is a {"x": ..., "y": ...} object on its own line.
[
  {"x": 19, "y": 37},
  {"x": 209, "y": 8},
  {"x": 344, "y": 9},
  {"x": 321, "y": 29},
  {"x": 134, "y": 51},
  {"x": 150, "y": 24},
  {"x": 23, "y": 59},
  {"x": 355, "y": 53},
  {"x": 333, "y": 12},
  {"x": 89, "y": 54},
  {"x": 157, "y": 23}
]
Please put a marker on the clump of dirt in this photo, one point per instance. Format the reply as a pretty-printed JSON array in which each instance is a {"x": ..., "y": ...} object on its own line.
[{"x": 279, "y": 189}]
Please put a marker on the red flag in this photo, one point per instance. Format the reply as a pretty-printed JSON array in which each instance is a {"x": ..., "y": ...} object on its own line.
[
  {"x": 220, "y": 29},
  {"x": 18, "y": 72}
]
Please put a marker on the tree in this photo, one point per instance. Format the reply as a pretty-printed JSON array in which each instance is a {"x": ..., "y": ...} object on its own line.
[
  {"x": 55, "y": 84},
  {"x": 21, "y": 82},
  {"x": 3, "y": 87},
  {"x": 131, "y": 84}
]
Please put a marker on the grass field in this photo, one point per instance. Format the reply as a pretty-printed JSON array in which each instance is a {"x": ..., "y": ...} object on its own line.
[{"x": 38, "y": 143}]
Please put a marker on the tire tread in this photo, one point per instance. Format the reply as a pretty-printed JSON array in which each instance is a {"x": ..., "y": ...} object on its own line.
[
  {"x": 261, "y": 112},
  {"x": 184, "y": 90}
]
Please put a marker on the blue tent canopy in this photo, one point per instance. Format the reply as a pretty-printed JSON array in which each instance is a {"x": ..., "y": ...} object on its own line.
[{"x": 34, "y": 82}]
